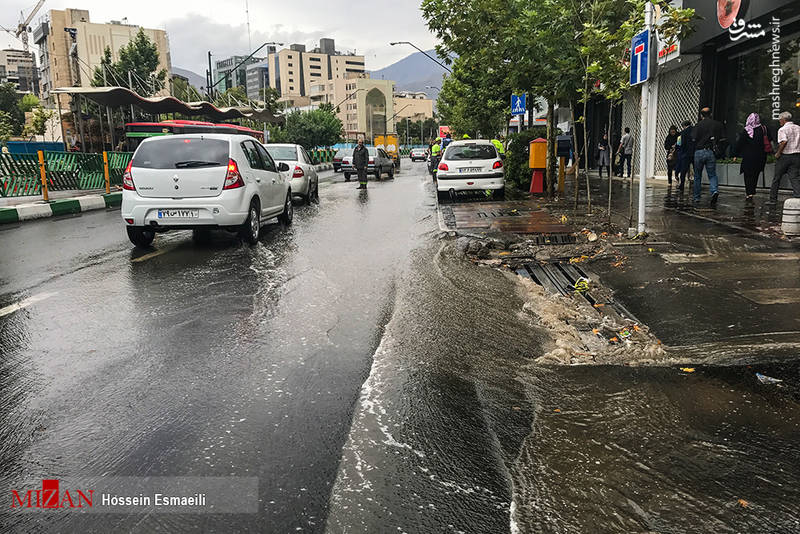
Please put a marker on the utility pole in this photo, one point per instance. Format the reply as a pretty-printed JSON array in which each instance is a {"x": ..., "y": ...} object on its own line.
[
  {"x": 210, "y": 85},
  {"x": 108, "y": 110},
  {"x": 645, "y": 105},
  {"x": 130, "y": 86}
]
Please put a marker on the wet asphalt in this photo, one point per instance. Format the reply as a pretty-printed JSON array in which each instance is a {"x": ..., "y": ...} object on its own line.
[{"x": 370, "y": 377}]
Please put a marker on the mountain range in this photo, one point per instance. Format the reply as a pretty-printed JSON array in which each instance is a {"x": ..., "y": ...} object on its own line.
[{"x": 412, "y": 73}]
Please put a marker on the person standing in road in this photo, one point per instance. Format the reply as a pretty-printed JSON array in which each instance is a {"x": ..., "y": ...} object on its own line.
[
  {"x": 360, "y": 162},
  {"x": 787, "y": 156},
  {"x": 672, "y": 152},
  {"x": 751, "y": 146},
  {"x": 447, "y": 140},
  {"x": 685, "y": 145},
  {"x": 707, "y": 134},
  {"x": 626, "y": 151},
  {"x": 603, "y": 157}
]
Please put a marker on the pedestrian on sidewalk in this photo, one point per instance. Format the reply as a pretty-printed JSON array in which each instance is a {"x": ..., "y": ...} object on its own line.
[
  {"x": 670, "y": 145},
  {"x": 708, "y": 136},
  {"x": 603, "y": 155},
  {"x": 751, "y": 146},
  {"x": 360, "y": 162},
  {"x": 685, "y": 145},
  {"x": 787, "y": 157},
  {"x": 626, "y": 151}
]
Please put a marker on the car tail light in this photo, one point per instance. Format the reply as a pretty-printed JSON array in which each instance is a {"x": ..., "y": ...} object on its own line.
[
  {"x": 371, "y": 160},
  {"x": 233, "y": 178},
  {"x": 497, "y": 164},
  {"x": 127, "y": 178},
  {"x": 129, "y": 221},
  {"x": 443, "y": 167},
  {"x": 337, "y": 159},
  {"x": 298, "y": 172}
]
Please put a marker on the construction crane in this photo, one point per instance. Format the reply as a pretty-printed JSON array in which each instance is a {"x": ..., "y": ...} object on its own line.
[{"x": 22, "y": 28}]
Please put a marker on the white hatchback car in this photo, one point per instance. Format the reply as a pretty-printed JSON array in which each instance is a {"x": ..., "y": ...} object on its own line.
[
  {"x": 470, "y": 166},
  {"x": 200, "y": 182},
  {"x": 305, "y": 182}
]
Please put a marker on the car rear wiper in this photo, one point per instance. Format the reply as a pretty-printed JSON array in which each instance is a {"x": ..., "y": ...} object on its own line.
[{"x": 196, "y": 163}]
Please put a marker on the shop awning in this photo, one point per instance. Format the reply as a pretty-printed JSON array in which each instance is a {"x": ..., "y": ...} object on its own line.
[{"x": 116, "y": 97}]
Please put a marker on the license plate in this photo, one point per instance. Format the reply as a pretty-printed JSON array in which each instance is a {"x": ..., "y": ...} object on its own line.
[
  {"x": 469, "y": 169},
  {"x": 178, "y": 214}
]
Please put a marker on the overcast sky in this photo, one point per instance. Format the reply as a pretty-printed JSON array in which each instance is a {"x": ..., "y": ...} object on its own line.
[{"x": 196, "y": 26}]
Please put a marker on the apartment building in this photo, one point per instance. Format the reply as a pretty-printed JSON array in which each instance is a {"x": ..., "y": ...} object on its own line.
[
  {"x": 364, "y": 105},
  {"x": 19, "y": 67},
  {"x": 414, "y": 106},
  {"x": 55, "y": 44},
  {"x": 292, "y": 71}
]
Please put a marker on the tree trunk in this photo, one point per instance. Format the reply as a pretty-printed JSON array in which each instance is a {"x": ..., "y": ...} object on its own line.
[
  {"x": 552, "y": 177},
  {"x": 586, "y": 140},
  {"x": 610, "y": 154},
  {"x": 575, "y": 156}
]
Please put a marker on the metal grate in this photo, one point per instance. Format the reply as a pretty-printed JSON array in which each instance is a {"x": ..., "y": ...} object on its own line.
[{"x": 678, "y": 100}]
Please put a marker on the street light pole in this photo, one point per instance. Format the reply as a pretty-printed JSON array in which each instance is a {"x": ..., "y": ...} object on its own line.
[{"x": 445, "y": 67}]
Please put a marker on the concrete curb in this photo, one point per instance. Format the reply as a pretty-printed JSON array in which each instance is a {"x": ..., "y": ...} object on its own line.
[{"x": 64, "y": 206}]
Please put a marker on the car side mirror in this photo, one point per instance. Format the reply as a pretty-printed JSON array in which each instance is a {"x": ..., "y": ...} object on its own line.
[{"x": 283, "y": 166}]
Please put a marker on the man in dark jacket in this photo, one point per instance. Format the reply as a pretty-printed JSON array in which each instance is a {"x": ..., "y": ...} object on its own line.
[
  {"x": 705, "y": 135},
  {"x": 360, "y": 162}
]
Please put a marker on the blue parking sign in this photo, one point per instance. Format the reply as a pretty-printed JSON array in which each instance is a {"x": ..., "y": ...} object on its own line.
[
  {"x": 518, "y": 104},
  {"x": 640, "y": 51}
]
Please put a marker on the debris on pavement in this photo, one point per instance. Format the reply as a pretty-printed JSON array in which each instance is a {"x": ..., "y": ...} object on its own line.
[
  {"x": 687, "y": 369},
  {"x": 764, "y": 379},
  {"x": 743, "y": 503}
]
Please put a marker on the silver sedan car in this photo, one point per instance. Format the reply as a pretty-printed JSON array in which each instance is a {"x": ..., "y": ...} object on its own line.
[{"x": 304, "y": 179}]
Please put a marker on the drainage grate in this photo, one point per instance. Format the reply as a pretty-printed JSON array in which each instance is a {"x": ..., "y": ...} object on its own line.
[
  {"x": 554, "y": 239},
  {"x": 560, "y": 279}
]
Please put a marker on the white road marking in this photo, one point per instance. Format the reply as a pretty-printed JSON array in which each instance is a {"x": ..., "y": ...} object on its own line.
[{"x": 24, "y": 303}]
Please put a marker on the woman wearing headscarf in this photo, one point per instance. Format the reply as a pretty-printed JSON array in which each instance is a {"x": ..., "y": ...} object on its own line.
[
  {"x": 753, "y": 145},
  {"x": 604, "y": 156}
]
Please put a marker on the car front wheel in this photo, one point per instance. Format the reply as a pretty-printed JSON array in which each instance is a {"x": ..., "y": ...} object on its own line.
[{"x": 140, "y": 236}]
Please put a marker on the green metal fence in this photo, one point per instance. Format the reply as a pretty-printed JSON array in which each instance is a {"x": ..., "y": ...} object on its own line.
[{"x": 64, "y": 171}]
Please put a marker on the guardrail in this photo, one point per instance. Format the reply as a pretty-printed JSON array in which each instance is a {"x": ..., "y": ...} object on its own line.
[{"x": 36, "y": 174}]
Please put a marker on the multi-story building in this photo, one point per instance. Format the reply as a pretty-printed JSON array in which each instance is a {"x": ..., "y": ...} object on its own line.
[
  {"x": 415, "y": 106},
  {"x": 364, "y": 105},
  {"x": 91, "y": 39},
  {"x": 257, "y": 78},
  {"x": 232, "y": 71},
  {"x": 19, "y": 67},
  {"x": 292, "y": 71}
]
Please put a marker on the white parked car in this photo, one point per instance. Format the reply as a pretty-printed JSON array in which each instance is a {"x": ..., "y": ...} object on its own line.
[
  {"x": 470, "y": 166},
  {"x": 305, "y": 182},
  {"x": 201, "y": 182}
]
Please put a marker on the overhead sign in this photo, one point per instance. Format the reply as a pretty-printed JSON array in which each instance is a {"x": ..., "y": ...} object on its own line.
[
  {"x": 640, "y": 52},
  {"x": 518, "y": 104}
]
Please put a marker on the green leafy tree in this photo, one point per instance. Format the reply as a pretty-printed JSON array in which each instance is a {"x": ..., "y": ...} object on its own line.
[
  {"x": 38, "y": 124},
  {"x": 9, "y": 104},
  {"x": 28, "y": 103},
  {"x": 270, "y": 96},
  {"x": 311, "y": 129},
  {"x": 232, "y": 97},
  {"x": 6, "y": 127},
  {"x": 140, "y": 58}
]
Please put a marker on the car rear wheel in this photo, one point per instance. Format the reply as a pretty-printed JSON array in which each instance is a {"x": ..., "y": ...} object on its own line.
[
  {"x": 140, "y": 236},
  {"x": 347, "y": 177},
  {"x": 287, "y": 216},
  {"x": 377, "y": 174},
  {"x": 391, "y": 173},
  {"x": 251, "y": 228}
]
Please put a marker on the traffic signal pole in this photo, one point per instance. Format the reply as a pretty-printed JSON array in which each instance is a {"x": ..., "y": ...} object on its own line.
[{"x": 645, "y": 105}]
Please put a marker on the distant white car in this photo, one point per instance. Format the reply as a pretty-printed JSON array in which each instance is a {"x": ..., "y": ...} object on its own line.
[
  {"x": 418, "y": 154},
  {"x": 201, "y": 182},
  {"x": 470, "y": 166},
  {"x": 305, "y": 182}
]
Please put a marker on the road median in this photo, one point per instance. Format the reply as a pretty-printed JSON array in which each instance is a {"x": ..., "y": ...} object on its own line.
[{"x": 64, "y": 206}]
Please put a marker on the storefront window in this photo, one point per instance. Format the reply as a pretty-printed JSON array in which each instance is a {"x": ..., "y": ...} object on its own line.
[{"x": 758, "y": 81}]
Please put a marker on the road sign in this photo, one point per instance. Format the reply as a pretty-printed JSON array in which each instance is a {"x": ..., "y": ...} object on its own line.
[
  {"x": 640, "y": 51},
  {"x": 518, "y": 104}
]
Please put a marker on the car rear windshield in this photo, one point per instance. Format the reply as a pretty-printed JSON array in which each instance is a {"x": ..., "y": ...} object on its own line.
[
  {"x": 344, "y": 152},
  {"x": 181, "y": 152},
  {"x": 472, "y": 151},
  {"x": 282, "y": 153}
]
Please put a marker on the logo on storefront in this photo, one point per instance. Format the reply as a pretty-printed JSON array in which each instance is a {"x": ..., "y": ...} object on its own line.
[
  {"x": 730, "y": 15},
  {"x": 51, "y": 496}
]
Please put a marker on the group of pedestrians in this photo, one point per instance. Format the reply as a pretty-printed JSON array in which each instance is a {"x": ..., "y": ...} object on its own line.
[{"x": 698, "y": 146}]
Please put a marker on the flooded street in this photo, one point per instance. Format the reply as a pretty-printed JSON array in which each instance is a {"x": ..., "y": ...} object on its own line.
[{"x": 372, "y": 378}]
